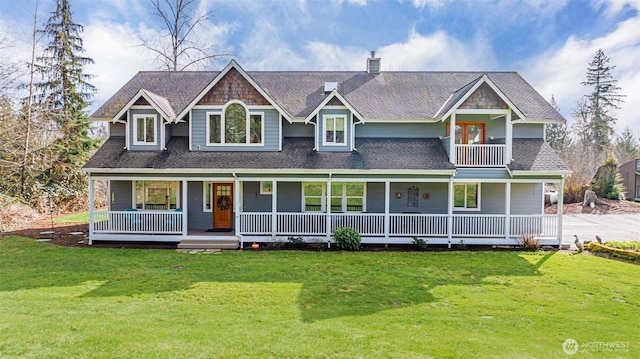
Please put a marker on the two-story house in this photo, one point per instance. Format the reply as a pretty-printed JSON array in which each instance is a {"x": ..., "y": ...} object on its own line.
[{"x": 252, "y": 156}]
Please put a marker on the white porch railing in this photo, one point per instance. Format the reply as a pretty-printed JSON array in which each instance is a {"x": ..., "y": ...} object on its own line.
[
  {"x": 365, "y": 223},
  {"x": 480, "y": 155},
  {"x": 478, "y": 225},
  {"x": 301, "y": 224},
  {"x": 403, "y": 225},
  {"x": 138, "y": 222},
  {"x": 540, "y": 225},
  {"x": 418, "y": 224}
]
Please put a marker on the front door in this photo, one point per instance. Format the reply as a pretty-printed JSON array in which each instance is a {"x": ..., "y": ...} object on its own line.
[{"x": 223, "y": 205}]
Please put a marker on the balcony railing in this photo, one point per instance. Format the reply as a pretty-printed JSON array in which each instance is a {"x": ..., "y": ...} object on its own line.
[{"x": 480, "y": 155}]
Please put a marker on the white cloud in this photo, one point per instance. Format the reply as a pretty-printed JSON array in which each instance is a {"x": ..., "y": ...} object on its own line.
[
  {"x": 437, "y": 51},
  {"x": 559, "y": 72},
  {"x": 613, "y": 7},
  {"x": 433, "y": 4},
  {"x": 351, "y": 2}
]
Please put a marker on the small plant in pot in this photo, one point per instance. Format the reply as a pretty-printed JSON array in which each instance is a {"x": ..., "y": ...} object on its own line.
[{"x": 347, "y": 239}]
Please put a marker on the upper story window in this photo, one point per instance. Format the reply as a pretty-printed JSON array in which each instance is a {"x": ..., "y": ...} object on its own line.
[
  {"x": 144, "y": 129},
  {"x": 235, "y": 126},
  {"x": 335, "y": 129}
]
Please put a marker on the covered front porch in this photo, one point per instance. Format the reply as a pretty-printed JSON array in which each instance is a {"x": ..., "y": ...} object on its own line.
[{"x": 440, "y": 210}]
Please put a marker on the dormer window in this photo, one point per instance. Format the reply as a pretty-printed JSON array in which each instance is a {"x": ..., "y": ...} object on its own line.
[
  {"x": 234, "y": 126},
  {"x": 144, "y": 129},
  {"x": 335, "y": 127}
]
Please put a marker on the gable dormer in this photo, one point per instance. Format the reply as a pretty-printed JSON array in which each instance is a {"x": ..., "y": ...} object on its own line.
[
  {"x": 334, "y": 119},
  {"x": 233, "y": 113}
]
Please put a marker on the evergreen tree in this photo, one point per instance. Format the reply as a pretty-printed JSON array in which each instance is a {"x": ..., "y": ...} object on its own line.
[
  {"x": 627, "y": 147},
  {"x": 557, "y": 134},
  {"x": 603, "y": 98},
  {"x": 64, "y": 93}
]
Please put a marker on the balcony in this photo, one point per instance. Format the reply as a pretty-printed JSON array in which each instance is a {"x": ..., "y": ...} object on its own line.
[{"x": 480, "y": 155}]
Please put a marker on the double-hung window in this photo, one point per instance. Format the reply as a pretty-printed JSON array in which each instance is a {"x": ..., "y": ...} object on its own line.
[
  {"x": 335, "y": 129},
  {"x": 235, "y": 125},
  {"x": 466, "y": 196},
  {"x": 144, "y": 129}
]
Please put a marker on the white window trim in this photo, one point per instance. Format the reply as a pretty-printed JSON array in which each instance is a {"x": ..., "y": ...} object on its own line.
[
  {"x": 327, "y": 201},
  {"x": 134, "y": 200},
  {"x": 263, "y": 190},
  {"x": 223, "y": 126},
  {"x": 204, "y": 196},
  {"x": 344, "y": 198},
  {"x": 135, "y": 130},
  {"x": 479, "y": 190},
  {"x": 324, "y": 130},
  {"x": 323, "y": 198}
]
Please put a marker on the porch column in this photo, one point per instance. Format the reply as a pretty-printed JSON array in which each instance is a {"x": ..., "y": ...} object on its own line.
[
  {"x": 328, "y": 204},
  {"x": 185, "y": 221},
  {"x": 274, "y": 208},
  {"x": 387, "y": 225},
  {"x": 508, "y": 138},
  {"x": 237, "y": 194},
  {"x": 91, "y": 209},
  {"x": 560, "y": 210},
  {"x": 450, "y": 213},
  {"x": 452, "y": 139},
  {"x": 507, "y": 210}
]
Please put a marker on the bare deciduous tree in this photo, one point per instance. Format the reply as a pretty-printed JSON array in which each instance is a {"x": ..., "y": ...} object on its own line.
[{"x": 180, "y": 47}]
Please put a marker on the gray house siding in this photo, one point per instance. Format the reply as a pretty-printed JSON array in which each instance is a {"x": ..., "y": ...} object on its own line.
[
  {"x": 436, "y": 203},
  {"x": 404, "y": 130},
  {"x": 180, "y": 129},
  {"x": 526, "y": 198},
  {"x": 321, "y": 134},
  {"x": 271, "y": 139},
  {"x": 252, "y": 200},
  {"x": 297, "y": 129},
  {"x": 158, "y": 144},
  {"x": 289, "y": 196},
  {"x": 473, "y": 174},
  {"x": 528, "y": 130},
  {"x": 117, "y": 129},
  {"x": 197, "y": 218},
  {"x": 375, "y": 197},
  {"x": 122, "y": 195}
]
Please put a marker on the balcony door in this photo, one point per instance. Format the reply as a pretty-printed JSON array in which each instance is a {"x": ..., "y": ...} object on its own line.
[
  {"x": 469, "y": 133},
  {"x": 222, "y": 205}
]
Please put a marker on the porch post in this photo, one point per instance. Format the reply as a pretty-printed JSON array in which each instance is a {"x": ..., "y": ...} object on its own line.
[
  {"x": 387, "y": 224},
  {"x": 91, "y": 209},
  {"x": 450, "y": 213},
  {"x": 185, "y": 221},
  {"x": 452, "y": 139},
  {"x": 274, "y": 208},
  {"x": 560, "y": 210},
  {"x": 507, "y": 210},
  {"x": 508, "y": 138},
  {"x": 237, "y": 194},
  {"x": 328, "y": 204}
]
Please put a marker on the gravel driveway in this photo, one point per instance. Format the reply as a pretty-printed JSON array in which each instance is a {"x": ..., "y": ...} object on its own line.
[{"x": 610, "y": 227}]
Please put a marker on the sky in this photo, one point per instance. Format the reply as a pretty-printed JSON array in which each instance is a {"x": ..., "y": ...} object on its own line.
[{"x": 549, "y": 42}]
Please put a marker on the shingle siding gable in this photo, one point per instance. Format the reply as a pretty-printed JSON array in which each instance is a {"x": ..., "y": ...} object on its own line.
[{"x": 233, "y": 86}]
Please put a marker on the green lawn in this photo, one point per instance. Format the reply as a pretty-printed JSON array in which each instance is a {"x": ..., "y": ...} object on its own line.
[
  {"x": 105, "y": 303},
  {"x": 81, "y": 217}
]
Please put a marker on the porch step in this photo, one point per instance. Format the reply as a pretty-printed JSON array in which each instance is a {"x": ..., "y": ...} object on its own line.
[{"x": 209, "y": 244}]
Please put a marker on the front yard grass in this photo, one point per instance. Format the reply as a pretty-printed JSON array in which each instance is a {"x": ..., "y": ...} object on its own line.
[{"x": 99, "y": 302}]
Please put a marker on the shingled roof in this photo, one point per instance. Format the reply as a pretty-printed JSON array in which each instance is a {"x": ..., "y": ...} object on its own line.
[
  {"x": 388, "y": 95},
  {"x": 534, "y": 154},
  {"x": 297, "y": 154}
]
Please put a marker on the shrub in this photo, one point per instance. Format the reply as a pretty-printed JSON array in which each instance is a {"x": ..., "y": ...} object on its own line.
[
  {"x": 347, "y": 238},
  {"x": 295, "y": 242},
  {"x": 529, "y": 242},
  {"x": 420, "y": 243}
]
